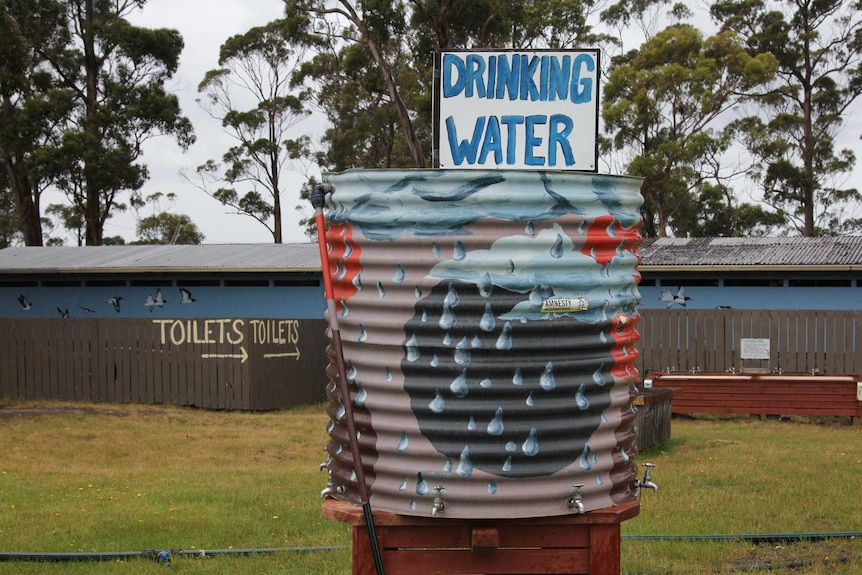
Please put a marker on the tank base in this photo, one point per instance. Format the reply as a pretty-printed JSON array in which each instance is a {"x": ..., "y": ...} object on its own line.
[{"x": 587, "y": 544}]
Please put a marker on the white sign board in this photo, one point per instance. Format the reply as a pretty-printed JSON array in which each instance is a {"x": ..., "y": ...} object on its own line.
[
  {"x": 517, "y": 110},
  {"x": 754, "y": 348}
]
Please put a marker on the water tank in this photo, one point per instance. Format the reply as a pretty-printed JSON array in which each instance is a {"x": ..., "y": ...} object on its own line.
[{"x": 488, "y": 322}]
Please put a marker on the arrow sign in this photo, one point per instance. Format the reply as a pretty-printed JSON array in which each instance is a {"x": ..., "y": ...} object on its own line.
[
  {"x": 293, "y": 354},
  {"x": 242, "y": 356}
]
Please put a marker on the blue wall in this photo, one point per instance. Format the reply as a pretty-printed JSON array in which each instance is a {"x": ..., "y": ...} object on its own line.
[
  {"x": 786, "y": 296},
  {"x": 210, "y": 301}
]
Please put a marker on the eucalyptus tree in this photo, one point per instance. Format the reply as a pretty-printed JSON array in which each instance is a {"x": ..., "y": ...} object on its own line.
[
  {"x": 32, "y": 108},
  {"x": 252, "y": 95},
  {"x": 373, "y": 77},
  {"x": 663, "y": 108},
  {"x": 818, "y": 47}
]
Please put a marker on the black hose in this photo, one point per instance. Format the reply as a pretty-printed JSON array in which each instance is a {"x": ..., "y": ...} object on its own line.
[
  {"x": 164, "y": 556},
  {"x": 160, "y": 556},
  {"x": 765, "y": 538}
]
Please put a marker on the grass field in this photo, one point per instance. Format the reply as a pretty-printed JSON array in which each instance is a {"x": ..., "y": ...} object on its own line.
[{"x": 112, "y": 478}]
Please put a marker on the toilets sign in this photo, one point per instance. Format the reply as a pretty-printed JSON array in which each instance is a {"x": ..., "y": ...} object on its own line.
[{"x": 517, "y": 110}]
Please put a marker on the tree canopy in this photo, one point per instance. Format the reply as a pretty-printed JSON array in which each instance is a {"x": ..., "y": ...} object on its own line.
[
  {"x": 817, "y": 45},
  {"x": 256, "y": 70},
  {"x": 83, "y": 90}
]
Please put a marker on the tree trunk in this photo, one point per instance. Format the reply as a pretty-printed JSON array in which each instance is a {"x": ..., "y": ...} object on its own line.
[
  {"x": 400, "y": 108},
  {"x": 91, "y": 68},
  {"x": 26, "y": 203}
]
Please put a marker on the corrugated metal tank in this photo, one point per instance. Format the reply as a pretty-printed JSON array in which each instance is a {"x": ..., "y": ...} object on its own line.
[{"x": 488, "y": 323}]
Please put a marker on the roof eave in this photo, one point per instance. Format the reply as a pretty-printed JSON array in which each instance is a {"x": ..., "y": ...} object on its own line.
[{"x": 750, "y": 268}]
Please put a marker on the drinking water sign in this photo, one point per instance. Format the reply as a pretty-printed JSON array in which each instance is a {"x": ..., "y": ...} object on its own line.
[{"x": 517, "y": 110}]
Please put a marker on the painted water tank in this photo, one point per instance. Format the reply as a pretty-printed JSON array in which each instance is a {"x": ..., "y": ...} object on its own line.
[{"x": 488, "y": 323}]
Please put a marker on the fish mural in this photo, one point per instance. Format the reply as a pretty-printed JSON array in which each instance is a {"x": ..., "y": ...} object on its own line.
[{"x": 489, "y": 323}]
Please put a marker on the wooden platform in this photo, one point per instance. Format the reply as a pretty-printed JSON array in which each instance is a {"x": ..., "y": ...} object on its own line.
[
  {"x": 764, "y": 393},
  {"x": 587, "y": 544}
]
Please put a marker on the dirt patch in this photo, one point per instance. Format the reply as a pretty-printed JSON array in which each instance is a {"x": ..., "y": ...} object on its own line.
[{"x": 34, "y": 411}]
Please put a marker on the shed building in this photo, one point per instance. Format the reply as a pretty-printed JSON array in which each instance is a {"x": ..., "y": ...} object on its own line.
[{"x": 823, "y": 273}]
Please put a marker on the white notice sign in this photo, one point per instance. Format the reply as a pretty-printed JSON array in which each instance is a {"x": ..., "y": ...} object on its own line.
[{"x": 754, "y": 348}]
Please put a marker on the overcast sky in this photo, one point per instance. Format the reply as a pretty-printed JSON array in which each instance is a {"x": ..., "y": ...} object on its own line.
[{"x": 205, "y": 25}]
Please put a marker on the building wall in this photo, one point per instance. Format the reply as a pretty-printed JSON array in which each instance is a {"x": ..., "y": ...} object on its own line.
[
  {"x": 295, "y": 296},
  {"x": 765, "y": 291}
]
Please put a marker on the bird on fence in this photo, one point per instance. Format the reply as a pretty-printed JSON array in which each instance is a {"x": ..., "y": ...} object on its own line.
[
  {"x": 187, "y": 296},
  {"x": 115, "y": 301},
  {"x": 25, "y": 304}
]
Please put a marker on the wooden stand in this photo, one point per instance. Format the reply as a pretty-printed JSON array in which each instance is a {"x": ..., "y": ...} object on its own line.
[{"x": 586, "y": 544}]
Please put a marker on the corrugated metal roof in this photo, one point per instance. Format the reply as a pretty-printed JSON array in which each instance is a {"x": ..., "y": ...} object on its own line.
[
  {"x": 655, "y": 252},
  {"x": 753, "y": 252},
  {"x": 200, "y": 258}
]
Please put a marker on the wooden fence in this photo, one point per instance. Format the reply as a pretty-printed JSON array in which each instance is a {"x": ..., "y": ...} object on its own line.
[
  {"x": 235, "y": 363},
  {"x": 258, "y": 364},
  {"x": 709, "y": 340}
]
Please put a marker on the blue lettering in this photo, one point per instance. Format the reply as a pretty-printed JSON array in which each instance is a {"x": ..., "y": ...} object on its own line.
[
  {"x": 453, "y": 87},
  {"x": 582, "y": 89},
  {"x": 492, "y": 75},
  {"x": 508, "y": 77},
  {"x": 560, "y": 130},
  {"x": 533, "y": 141},
  {"x": 492, "y": 142},
  {"x": 466, "y": 149},
  {"x": 528, "y": 85},
  {"x": 511, "y": 131},
  {"x": 544, "y": 79},
  {"x": 475, "y": 72},
  {"x": 559, "y": 78}
]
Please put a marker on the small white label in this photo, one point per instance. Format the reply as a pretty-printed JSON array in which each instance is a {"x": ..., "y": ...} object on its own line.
[
  {"x": 859, "y": 390},
  {"x": 564, "y": 304},
  {"x": 647, "y": 384}
]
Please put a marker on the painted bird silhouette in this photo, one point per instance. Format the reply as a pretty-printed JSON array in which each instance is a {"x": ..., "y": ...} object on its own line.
[
  {"x": 187, "y": 296},
  {"x": 25, "y": 304},
  {"x": 159, "y": 301},
  {"x": 115, "y": 301},
  {"x": 671, "y": 299}
]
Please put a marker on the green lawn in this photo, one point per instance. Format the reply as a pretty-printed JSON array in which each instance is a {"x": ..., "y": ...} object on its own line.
[{"x": 114, "y": 478}]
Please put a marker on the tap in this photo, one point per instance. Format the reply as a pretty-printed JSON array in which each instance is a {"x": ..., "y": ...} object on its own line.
[
  {"x": 575, "y": 499},
  {"x": 330, "y": 486},
  {"x": 438, "y": 505},
  {"x": 647, "y": 481}
]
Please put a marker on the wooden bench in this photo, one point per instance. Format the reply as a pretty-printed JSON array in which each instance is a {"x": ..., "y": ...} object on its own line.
[
  {"x": 587, "y": 544},
  {"x": 764, "y": 393}
]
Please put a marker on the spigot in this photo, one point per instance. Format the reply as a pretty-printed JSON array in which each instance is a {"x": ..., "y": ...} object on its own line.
[
  {"x": 330, "y": 486},
  {"x": 647, "y": 481},
  {"x": 575, "y": 499},
  {"x": 439, "y": 505}
]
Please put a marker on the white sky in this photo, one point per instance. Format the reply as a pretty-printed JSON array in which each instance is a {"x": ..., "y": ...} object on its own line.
[{"x": 205, "y": 25}]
